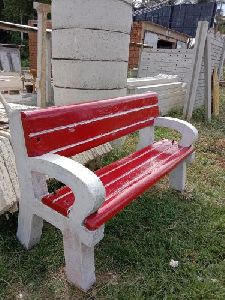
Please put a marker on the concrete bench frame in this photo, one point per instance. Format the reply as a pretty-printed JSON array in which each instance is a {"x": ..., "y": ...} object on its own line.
[{"x": 79, "y": 236}]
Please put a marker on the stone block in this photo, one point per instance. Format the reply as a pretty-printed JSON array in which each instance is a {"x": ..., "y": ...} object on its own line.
[
  {"x": 64, "y": 96},
  {"x": 113, "y": 15},
  {"x": 89, "y": 74},
  {"x": 87, "y": 44}
]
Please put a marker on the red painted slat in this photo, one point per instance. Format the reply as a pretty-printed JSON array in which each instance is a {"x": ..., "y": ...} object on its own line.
[
  {"x": 135, "y": 161},
  {"x": 112, "y": 207},
  {"x": 39, "y": 126},
  {"x": 59, "y": 203},
  {"x": 90, "y": 132},
  {"x": 42, "y": 119},
  {"x": 72, "y": 150},
  {"x": 140, "y": 172},
  {"x": 157, "y": 160},
  {"x": 140, "y": 169}
]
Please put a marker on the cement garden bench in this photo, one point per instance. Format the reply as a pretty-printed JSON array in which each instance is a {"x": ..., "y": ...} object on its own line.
[{"x": 44, "y": 139}]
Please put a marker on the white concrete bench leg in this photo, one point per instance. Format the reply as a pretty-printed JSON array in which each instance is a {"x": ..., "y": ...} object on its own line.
[
  {"x": 29, "y": 228},
  {"x": 79, "y": 259},
  {"x": 177, "y": 178}
]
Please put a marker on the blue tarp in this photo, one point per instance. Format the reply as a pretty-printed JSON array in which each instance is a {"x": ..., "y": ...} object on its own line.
[{"x": 183, "y": 18}]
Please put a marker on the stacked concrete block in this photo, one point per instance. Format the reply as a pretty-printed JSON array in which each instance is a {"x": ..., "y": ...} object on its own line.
[
  {"x": 170, "y": 90},
  {"x": 90, "y": 49}
]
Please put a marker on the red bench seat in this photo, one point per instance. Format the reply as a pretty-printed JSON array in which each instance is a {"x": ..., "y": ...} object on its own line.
[{"x": 124, "y": 180}]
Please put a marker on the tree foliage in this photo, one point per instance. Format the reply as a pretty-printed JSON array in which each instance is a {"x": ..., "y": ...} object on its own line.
[
  {"x": 17, "y": 11},
  {"x": 14, "y": 10},
  {"x": 139, "y": 3}
]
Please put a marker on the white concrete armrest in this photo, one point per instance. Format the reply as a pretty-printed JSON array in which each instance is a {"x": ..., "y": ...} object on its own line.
[
  {"x": 86, "y": 186},
  {"x": 189, "y": 132}
]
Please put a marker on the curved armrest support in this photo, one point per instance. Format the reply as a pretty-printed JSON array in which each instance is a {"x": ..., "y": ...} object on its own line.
[
  {"x": 88, "y": 189},
  {"x": 189, "y": 132}
]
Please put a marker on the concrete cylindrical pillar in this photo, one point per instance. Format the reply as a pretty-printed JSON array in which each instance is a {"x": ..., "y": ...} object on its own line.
[{"x": 90, "y": 49}]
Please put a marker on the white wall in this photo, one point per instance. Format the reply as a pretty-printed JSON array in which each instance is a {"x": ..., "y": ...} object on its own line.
[
  {"x": 166, "y": 61},
  {"x": 171, "y": 62},
  {"x": 180, "y": 62}
]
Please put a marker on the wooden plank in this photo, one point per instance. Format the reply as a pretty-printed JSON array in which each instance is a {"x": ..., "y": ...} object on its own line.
[
  {"x": 49, "y": 93},
  {"x": 10, "y": 83},
  {"x": 43, "y": 10},
  {"x": 216, "y": 93},
  {"x": 221, "y": 61},
  {"x": 8, "y": 26}
]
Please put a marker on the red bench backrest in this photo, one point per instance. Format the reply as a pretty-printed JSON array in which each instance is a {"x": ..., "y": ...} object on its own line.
[{"x": 72, "y": 129}]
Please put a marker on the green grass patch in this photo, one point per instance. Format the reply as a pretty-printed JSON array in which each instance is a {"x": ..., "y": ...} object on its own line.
[{"x": 132, "y": 261}]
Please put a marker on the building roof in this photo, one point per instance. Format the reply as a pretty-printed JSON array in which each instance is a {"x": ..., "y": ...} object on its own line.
[{"x": 166, "y": 29}]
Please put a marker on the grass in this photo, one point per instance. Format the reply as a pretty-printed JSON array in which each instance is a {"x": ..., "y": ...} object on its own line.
[{"x": 132, "y": 261}]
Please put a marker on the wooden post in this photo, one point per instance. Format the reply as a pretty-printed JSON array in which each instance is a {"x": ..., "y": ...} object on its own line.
[
  {"x": 49, "y": 94},
  {"x": 197, "y": 63},
  {"x": 141, "y": 49},
  {"x": 42, "y": 10},
  {"x": 208, "y": 78},
  {"x": 220, "y": 68},
  {"x": 216, "y": 93}
]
